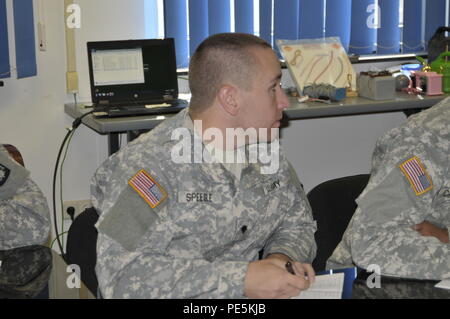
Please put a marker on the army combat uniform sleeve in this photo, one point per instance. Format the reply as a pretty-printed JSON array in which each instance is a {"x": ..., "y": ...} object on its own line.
[
  {"x": 135, "y": 254},
  {"x": 24, "y": 215},
  {"x": 409, "y": 185}
]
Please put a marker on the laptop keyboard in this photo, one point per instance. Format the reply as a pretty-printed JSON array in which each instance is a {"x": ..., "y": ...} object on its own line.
[{"x": 135, "y": 109}]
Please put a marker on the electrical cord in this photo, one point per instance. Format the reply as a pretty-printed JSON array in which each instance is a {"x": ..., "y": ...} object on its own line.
[
  {"x": 60, "y": 184},
  {"x": 75, "y": 125}
]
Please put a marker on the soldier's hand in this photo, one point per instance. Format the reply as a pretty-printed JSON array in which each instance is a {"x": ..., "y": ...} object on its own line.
[
  {"x": 426, "y": 228},
  {"x": 269, "y": 279},
  {"x": 300, "y": 269}
]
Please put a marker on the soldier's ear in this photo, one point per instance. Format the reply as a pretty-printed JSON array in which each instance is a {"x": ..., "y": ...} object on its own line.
[{"x": 227, "y": 97}]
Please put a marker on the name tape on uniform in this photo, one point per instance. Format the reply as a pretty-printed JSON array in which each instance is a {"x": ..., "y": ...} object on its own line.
[{"x": 197, "y": 197}]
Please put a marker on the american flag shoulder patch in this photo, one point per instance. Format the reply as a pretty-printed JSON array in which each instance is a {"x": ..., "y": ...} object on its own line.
[
  {"x": 417, "y": 176},
  {"x": 146, "y": 186}
]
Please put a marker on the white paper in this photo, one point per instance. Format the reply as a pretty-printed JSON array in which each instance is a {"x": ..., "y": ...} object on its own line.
[
  {"x": 325, "y": 287},
  {"x": 444, "y": 284}
]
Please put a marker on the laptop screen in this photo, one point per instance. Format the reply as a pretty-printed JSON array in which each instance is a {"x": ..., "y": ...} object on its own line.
[{"x": 132, "y": 70}]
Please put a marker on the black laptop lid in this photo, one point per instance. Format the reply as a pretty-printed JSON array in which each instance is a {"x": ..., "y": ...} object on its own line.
[{"x": 132, "y": 70}]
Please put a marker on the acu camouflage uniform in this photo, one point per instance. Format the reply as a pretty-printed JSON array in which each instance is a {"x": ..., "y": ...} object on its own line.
[
  {"x": 25, "y": 266},
  {"x": 380, "y": 231},
  {"x": 198, "y": 241},
  {"x": 24, "y": 214}
]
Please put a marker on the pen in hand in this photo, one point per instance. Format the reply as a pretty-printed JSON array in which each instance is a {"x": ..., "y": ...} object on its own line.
[{"x": 289, "y": 268}]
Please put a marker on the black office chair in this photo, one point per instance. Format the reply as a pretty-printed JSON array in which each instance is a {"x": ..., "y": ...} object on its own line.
[
  {"x": 333, "y": 204},
  {"x": 81, "y": 247}
]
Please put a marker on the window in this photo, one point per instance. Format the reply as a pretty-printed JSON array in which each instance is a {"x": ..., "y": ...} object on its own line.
[{"x": 364, "y": 26}]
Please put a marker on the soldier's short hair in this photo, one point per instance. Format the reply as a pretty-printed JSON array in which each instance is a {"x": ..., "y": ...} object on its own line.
[{"x": 222, "y": 58}]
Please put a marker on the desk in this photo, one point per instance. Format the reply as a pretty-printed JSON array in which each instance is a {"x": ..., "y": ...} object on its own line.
[
  {"x": 398, "y": 288},
  {"x": 350, "y": 106},
  {"x": 356, "y": 286}
]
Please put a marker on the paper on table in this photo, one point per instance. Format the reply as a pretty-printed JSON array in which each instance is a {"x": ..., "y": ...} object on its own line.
[
  {"x": 325, "y": 287},
  {"x": 444, "y": 284}
]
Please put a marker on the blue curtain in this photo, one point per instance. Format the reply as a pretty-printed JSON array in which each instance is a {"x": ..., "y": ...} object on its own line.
[
  {"x": 412, "y": 26},
  {"x": 24, "y": 38},
  {"x": 265, "y": 20},
  {"x": 353, "y": 21},
  {"x": 4, "y": 47},
  {"x": 175, "y": 26},
  {"x": 219, "y": 12},
  {"x": 388, "y": 35},
  {"x": 338, "y": 20},
  {"x": 363, "y": 33},
  {"x": 198, "y": 31},
  {"x": 286, "y": 18},
  {"x": 435, "y": 17},
  {"x": 311, "y": 19},
  {"x": 243, "y": 12},
  {"x": 151, "y": 19}
]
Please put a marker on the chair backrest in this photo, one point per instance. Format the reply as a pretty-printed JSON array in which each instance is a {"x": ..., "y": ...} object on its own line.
[
  {"x": 333, "y": 204},
  {"x": 81, "y": 247}
]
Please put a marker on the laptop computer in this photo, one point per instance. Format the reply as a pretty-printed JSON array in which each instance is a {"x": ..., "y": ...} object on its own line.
[{"x": 134, "y": 77}]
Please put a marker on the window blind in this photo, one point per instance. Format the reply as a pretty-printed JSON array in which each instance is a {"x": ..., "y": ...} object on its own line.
[
  {"x": 388, "y": 33},
  {"x": 4, "y": 47},
  {"x": 175, "y": 26},
  {"x": 434, "y": 18},
  {"x": 363, "y": 26},
  {"x": 198, "y": 12},
  {"x": 24, "y": 38},
  {"x": 244, "y": 16},
  {"x": 311, "y": 19},
  {"x": 338, "y": 20},
  {"x": 265, "y": 20},
  {"x": 412, "y": 26}
]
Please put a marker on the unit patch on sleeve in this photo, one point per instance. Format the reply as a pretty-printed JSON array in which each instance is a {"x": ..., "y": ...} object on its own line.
[
  {"x": 148, "y": 188},
  {"x": 417, "y": 176}
]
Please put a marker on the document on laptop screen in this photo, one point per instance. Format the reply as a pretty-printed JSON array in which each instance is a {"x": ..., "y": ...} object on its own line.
[{"x": 113, "y": 67}]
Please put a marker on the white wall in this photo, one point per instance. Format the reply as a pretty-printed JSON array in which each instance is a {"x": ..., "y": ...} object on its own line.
[{"x": 32, "y": 110}]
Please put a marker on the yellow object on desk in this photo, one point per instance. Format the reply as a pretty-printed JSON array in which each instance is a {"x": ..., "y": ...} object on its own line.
[{"x": 152, "y": 106}]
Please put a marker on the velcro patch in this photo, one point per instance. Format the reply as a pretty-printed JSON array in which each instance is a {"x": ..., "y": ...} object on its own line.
[
  {"x": 148, "y": 188},
  {"x": 272, "y": 186},
  {"x": 417, "y": 176},
  {"x": 4, "y": 174}
]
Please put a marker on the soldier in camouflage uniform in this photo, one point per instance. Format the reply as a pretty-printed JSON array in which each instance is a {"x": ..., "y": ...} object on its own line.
[
  {"x": 403, "y": 216},
  {"x": 24, "y": 214},
  {"x": 195, "y": 230}
]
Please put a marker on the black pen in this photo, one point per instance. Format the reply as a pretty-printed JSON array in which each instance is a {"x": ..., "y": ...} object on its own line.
[{"x": 289, "y": 268}]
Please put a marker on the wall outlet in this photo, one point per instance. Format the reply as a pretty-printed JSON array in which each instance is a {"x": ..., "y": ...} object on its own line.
[{"x": 78, "y": 205}]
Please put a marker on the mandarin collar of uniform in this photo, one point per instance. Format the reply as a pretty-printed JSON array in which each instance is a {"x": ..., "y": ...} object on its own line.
[{"x": 215, "y": 171}]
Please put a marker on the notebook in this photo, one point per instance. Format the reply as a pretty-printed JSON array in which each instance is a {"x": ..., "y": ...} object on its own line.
[
  {"x": 134, "y": 77},
  {"x": 325, "y": 287}
]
